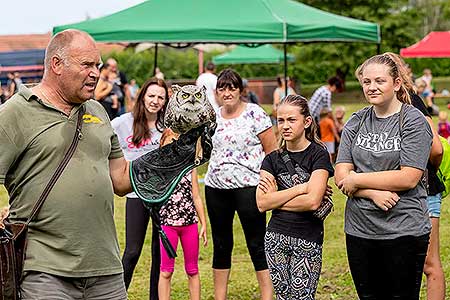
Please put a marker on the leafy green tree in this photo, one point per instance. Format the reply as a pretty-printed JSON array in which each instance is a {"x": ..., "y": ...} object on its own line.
[{"x": 402, "y": 23}]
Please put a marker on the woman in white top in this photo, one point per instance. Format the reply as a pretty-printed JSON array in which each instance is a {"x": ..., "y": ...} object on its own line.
[
  {"x": 243, "y": 136},
  {"x": 279, "y": 93},
  {"x": 139, "y": 132}
]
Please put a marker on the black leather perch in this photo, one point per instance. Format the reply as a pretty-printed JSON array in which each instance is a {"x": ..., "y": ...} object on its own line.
[{"x": 155, "y": 175}]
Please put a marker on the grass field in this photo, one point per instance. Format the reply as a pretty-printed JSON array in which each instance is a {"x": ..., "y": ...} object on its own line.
[{"x": 335, "y": 281}]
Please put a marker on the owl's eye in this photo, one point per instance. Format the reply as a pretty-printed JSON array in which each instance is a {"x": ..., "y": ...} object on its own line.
[
  {"x": 198, "y": 95},
  {"x": 184, "y": 96}
]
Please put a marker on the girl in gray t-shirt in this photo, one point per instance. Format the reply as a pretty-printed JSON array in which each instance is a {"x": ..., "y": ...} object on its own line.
[{"x": 382, "y": 158}]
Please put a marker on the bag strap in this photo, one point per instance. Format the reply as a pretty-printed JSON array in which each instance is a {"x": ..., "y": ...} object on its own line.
[
  {"x": 290, "y": 166},
  {"x": 363, "y": 119},
  {"x": 67, "y": 156},
  {"x": 401, "y": 117}
]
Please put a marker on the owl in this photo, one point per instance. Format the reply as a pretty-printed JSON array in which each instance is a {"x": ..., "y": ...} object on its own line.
[{"x": 188, "y": 108}]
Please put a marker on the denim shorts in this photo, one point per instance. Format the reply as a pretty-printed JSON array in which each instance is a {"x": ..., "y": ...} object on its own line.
[{"x": 434, "y": 205}]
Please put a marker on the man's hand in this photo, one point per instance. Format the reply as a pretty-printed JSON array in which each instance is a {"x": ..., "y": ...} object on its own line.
[{"x": 4, "y": 212}]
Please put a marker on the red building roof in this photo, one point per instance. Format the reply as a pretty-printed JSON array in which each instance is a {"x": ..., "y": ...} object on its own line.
[
  {"x": 10, "y": 43},
  {"x": 435, "y": 44},
  {"x": 21, "y": 68}
]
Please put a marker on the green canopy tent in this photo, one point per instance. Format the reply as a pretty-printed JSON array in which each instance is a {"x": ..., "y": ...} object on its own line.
[
  {"x": 265, "y": 54},
  {"x": 231, "y": 21}
]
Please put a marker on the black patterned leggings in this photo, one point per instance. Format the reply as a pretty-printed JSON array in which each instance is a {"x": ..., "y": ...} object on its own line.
[{"x": 294, "y": 266}]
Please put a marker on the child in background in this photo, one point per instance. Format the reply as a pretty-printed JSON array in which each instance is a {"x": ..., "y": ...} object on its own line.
[
  {"x": 112, "y": 77},
  {"x": 328, "y": 131},
  {"x": 339, "y": 114},
  {"x": 179, "y": 218},
  {"x": 443, "y": 125}
]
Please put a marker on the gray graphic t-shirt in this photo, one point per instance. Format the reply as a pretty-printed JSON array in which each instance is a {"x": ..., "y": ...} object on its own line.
[{"x": 378, "y": 144}]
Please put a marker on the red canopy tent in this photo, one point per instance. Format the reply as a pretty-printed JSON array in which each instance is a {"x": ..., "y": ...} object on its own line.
[{"x": 435, "y": 44}]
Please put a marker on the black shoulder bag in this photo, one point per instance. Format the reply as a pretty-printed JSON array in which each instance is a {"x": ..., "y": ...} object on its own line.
[
  {"x": 13, "y": 239},
  {"x": 326, "y": 206}
]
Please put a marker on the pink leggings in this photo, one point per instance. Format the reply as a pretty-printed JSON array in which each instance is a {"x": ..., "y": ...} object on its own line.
[{"x": 189, "y": 242}]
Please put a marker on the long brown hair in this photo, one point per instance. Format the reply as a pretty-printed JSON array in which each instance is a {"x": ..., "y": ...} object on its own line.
[
  {"x": 396, "y": 70},
  {"x": 141, "y": 131},
  {"x": 302, "y": 104}
]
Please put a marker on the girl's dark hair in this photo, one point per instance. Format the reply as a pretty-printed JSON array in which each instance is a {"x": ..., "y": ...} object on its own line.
[
  {"x": 302, "y": 104},
  {"x": 104, "y": 66},
  {"x": 141, "y": 131},
  {"x": 335, "y": 81},
  {"x": 280, "y": 80},
  {"x": 396, "y": 70},
  {"x": 229, "y": 78}
]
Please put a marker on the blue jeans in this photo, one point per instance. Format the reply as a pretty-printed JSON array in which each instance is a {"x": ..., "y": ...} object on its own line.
[{"x": 434, "y": 205}]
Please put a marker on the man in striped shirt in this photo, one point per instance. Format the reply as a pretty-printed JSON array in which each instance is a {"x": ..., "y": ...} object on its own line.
[{"x": 322, "y": 97}]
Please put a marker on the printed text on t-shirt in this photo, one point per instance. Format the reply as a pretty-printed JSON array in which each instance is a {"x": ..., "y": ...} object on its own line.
[{"x": 378, "y": 142}]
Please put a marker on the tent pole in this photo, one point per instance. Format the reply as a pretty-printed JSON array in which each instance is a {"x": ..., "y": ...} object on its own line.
[
  {"x": 200, "y": 61},
  {"x": 285, "y": 69},
  {"x": 379, "y": 48},
  {"x": 155, "y": 65}
]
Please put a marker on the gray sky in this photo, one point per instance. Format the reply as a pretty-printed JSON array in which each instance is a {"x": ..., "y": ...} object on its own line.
[{"x": 39, "y": 16}]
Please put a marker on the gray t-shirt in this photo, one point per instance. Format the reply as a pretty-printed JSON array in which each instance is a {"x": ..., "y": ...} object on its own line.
[{"x": 380, "y": 145}]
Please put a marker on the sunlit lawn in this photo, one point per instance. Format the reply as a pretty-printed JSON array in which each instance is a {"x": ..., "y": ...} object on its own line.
[{"x": 335, "y": 282}]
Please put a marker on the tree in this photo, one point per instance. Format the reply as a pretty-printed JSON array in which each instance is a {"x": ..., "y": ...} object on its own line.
[{"x": 402, "y": 22}]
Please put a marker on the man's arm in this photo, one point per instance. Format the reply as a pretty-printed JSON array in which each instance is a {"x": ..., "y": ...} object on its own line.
[
  {"x": 119, "y": 170},
  {"x": 102, "y": 90}
]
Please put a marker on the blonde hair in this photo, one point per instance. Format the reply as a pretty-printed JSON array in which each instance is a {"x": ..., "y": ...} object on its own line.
[
  {"x": 443, "y": 116},
  {"x": 420, "y": 83},
  {"x": 396, "y": 70}
]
